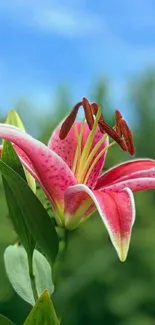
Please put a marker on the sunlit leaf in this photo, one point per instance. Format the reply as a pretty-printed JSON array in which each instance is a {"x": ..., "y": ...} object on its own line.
[{"x": 17, "y": 269}]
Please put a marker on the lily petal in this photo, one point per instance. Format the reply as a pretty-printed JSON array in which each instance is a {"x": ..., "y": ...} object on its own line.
[
  {"x": 24, "y": 160},
  {"x": 65, "y": 148},
  {"x": 117, "y": 211},
  {"x": 52, "y": 172},
  {"x": 131, "y": 169},
  {"x": 135, "y": 185}
]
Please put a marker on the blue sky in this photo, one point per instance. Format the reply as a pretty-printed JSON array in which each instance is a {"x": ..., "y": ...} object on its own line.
[{"x": 47, "y": 43}]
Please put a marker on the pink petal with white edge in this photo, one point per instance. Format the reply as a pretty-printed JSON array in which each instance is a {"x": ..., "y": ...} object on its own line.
[
  {"x": 52, "y": 172},
  {"x": 24, "y": 160},
  {"x": 135, "y": 185},
  {"x": 117, "y": 211},
  {"x": 125, "y": 171}
]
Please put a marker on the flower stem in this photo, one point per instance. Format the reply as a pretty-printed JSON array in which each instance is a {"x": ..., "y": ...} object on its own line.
[{"x": 32, "y": 277}]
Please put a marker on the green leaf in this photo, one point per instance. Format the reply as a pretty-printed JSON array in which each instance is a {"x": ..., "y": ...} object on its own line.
[
  {"x": 5, "y": 321},
  {"x": 36, "y": 217},
  {"x": 14, "y": 119},
  {"x": 17, "y": 269},
  {"x": 10, "y": 157},
  {"x": 43, "y": 313}
]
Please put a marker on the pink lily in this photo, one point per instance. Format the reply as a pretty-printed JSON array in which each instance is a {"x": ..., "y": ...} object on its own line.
[{"x": 69, "y": 171}]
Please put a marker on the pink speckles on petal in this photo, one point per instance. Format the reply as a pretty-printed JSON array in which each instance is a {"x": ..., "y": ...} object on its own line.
[
  {"x": 65, "y": 148},
  {"x": 46, "y": 163},
  {"x": 131, "y": 169},
  {"x": 135, "y": 184}
]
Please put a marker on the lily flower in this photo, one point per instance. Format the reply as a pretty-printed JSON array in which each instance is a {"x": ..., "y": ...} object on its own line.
[{"x": 69, "y": 170}]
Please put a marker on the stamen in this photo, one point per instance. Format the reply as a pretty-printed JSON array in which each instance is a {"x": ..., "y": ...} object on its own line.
[
  {"x": 99, "y": 143},
  {"x": 88, "y": 112},
  {"x": 118, "y": 117},
  {"x": 88, "y": 144},
  {"x": 96, "y": 160},
  {"x": 67, "y": 124},
  {"x": 91, "y": 156},
  {"x": 79, "y": 147},
  {"x": 127, "y": 134},
  {"x": 95, "y": 108},
  {"x": 113, "y": 134}
]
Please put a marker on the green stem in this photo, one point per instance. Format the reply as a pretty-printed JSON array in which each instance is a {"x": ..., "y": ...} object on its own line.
[{"x": 32, "y": 277}]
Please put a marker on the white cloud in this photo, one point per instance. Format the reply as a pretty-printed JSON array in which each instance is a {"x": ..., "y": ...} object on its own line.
[
  {"x": 68, "y": 22},
  {"x": 68, "y": 18}
]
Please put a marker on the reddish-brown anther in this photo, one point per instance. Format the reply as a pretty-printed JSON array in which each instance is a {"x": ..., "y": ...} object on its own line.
[
  {"x": 67, "y": 124},
  {"x": 88, "y": 112},
  {"x": 113, "y": 134},
  {"x": 118, "y": 117},
  {"x": 127, "y": 134},
  {"x": 94, "y": 108}
]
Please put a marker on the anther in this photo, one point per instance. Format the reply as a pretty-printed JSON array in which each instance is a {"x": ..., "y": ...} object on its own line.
[
  {"x": 95, "y": 108},
  {"x": 67, "y": 124},
  {"x": 127, "y": 134},
  {"x": 113, "y": 134},
  {"x": 118, "y": 117},
  {"x": 88, "y": 112}
]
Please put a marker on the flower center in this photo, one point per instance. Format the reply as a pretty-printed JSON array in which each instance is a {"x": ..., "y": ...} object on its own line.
[{"x": 87, "y": 156}]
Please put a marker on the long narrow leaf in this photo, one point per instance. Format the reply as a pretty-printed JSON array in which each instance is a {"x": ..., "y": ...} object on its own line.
[
  {"x": 10, "y": 157},
  {"x": 5, "y": 321},
  {"x": 36, "y": 217}
]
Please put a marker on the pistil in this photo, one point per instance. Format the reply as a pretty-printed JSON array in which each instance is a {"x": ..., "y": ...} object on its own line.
[
  {"x": 91, "y": 156},
  {"x": 79, "y": 146}
]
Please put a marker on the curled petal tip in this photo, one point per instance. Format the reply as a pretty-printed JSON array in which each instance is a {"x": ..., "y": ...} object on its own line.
[{"x": 122, "y": 247}]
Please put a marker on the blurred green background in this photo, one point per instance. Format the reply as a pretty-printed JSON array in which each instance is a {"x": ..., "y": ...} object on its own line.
[{"x": 92, "y": 285}]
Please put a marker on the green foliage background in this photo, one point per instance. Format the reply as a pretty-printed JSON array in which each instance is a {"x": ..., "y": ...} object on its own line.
[{"x": 92, "y": 286}]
